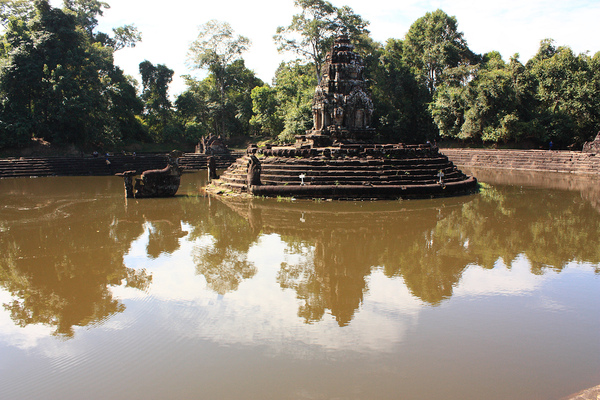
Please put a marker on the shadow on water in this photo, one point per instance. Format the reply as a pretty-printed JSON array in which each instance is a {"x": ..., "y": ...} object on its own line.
[{"x": 64, "y": 240}]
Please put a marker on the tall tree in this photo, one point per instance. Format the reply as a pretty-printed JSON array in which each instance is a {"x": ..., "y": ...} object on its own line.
[
  {"x": 494, "y": 104},
  {"x": 317, "y": 25},
  {"x": 215, "y": 49},
  {"x": 155, "y": 87},
  {"x": 400, "y": 101},
  {"x": 294, "y": 86},
  {"x": 266, "y": 109},
  {"x": 568, "y": 90},
  {"x": 203, "y": 109},
  {"x": 60, "y": 85},
  {"x": 434, "y": 44}
]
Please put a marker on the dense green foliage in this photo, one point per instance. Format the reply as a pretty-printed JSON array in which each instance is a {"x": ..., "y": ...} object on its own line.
[
  {"x": 58, "y": 82},
  {"x": 284, "y": 110},
  {"x": 220, "y": 104},
  {"x": 158, "y": 112},
  {"x": 553, "y": 97}
]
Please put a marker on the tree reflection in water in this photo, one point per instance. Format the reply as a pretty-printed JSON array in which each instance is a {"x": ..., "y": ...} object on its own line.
[
  {"x": 428, "y": 244},
  {"x": 59, "y": 272},
  {"x": 60, "y": 254},
  {"x": 225, "y": 263}
]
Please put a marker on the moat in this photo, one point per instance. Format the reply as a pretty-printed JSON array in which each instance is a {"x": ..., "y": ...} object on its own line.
[{"x": 493, "y": 295}]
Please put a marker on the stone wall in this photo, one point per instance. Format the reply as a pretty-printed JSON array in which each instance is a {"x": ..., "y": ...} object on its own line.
[
  {"x": 526, "y": 160},
  {"x": 101, "y": 165}
]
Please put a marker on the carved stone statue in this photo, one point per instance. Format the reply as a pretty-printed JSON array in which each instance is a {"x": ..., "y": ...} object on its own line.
[
  {"x": 212, "y": 145},
  {"x": 593, "y": 146},
  {"x": 212, "y": 168},
  {"x": 155, "y": 182},
  {"x": 254, "y": 168}
]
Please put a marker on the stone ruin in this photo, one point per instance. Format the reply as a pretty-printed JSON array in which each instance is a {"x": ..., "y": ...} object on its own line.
[
  {"x": 211, "y": 145},
  {"x": 154, "y": 182},
  {"x": 593, "y": 146},
  {"x": 337, "y": 158},
  {"x": 342, "y": 107}
]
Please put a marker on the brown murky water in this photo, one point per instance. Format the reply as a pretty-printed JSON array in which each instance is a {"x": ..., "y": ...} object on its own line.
[{"x": 490, "y": 296}]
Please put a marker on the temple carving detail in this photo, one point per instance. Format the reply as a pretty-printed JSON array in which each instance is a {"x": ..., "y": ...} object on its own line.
[
  {"x": 342, "y": 106},
  {"x": 339, "y": 157}
]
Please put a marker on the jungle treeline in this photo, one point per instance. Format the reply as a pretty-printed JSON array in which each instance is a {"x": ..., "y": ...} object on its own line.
[{"x": 59, "y": 83}]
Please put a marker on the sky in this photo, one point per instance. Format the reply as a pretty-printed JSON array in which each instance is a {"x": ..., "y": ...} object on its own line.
[{"x": 508, "y": 26}]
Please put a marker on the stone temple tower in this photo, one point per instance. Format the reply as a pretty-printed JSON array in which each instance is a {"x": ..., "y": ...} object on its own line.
[
  {"x": 338, "y": 158},
  {"x": 342, "y": 106}
]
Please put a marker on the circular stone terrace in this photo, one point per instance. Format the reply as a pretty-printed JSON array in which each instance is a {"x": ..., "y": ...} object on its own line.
[
  {"x": 359, "y": 171},
  {"x": 337, "y": 158}
]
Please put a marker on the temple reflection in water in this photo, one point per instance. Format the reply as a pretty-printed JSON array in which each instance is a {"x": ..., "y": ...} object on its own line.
[
  {"x": 59, "y": 272},
  {"x": 170, "y": 298}
]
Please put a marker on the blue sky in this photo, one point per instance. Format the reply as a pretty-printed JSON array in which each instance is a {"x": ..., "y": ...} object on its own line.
[{"x": 508, "y": 26}]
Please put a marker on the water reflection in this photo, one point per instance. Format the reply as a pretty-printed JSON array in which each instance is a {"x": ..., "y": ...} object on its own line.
[
  {"x": 64, "y": 242},
  {"x": 224, "y": 264},
  {"x": 266, "y": 299},
  {"x": 428, "y": 244},
  {"x": 587, "y": 185},
  {"x": 58, "y": 271}
]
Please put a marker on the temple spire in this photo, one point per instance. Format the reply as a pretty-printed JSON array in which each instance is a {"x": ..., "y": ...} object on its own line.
[{"x": 342, "y": 106}]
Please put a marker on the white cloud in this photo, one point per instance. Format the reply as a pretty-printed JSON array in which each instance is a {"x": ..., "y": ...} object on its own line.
[{"x": 501, "y": 280}]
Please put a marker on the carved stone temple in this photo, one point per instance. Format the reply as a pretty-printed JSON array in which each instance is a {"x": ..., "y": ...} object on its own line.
[
  {"x": 342, "y": 107},
  {"x": 338, "y": 158}
]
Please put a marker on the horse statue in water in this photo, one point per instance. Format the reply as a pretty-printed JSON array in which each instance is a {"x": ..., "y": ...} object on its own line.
[{"x": 155, "y": 182}]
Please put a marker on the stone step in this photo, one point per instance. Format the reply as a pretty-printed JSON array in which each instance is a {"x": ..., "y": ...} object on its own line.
[
  {"x": 542, "y": 160},
  {"x": 38, "y": 166},
  {"x": 332, "y": 164},
  {"x": 366, "y": 171},
  {"x": 352, "y": 181},
  {"x": 363, "y": 173}
]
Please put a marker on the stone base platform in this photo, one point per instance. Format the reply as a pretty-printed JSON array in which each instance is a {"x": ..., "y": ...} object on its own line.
[{"x": 347, "y": 172}]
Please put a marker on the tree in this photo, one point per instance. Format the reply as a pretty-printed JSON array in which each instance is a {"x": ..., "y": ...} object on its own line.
[
  {"x": 86, "y": 12},
  {"x": 192, "y": 111},
  {"x": 57, "y": 83},
  {"x": 125, "y": 36},
  {"x": 265, "y": 108},
  {"x": 203, "y": 109},
  {"x": 400, "y": 102},
  {"x": 155, "y": 87},
  {"x": 317, "y": 25},
  {"x": 568, "y": 90},
  {"x": 491, "y": 102},
  {"x": 434, "y": 44},
  {"x": 295, "y": 85},
  {"x": 284, "y": 110},
  {"x": 16, "y": 10},
  {"x": 215, "y": 49}
]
